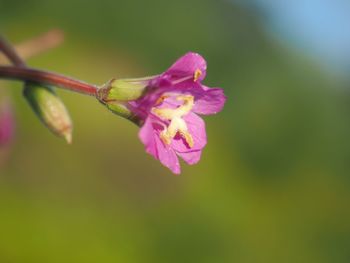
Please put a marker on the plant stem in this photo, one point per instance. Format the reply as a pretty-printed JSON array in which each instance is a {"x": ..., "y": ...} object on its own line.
[
  {"x": 49, "y": 78},
  {"x": 21, "y": 72},
  {"x": 10, "y": 53},
  {"x": 36, "y": 45}
]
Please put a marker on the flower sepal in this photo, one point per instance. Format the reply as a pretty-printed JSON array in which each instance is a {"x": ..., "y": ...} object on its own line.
[
  {"x": 124, "y": 89},
  {"x": 123, "y": 111}
]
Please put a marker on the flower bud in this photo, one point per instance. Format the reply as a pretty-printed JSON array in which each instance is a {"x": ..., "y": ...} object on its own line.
[
  {"x": 50, "y": 109},
  {"x": 124, "y": 89}
]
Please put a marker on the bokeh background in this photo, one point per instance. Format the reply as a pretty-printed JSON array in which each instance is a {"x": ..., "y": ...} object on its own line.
[{"x": 273, "y": 183}]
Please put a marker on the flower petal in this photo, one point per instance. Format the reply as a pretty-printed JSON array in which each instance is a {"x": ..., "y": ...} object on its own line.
[
  {"x": 149, "y": 135},
  {"x": 167, "y": 156},
  {"x": 187, "y": 65},
  {"x": 209, "y": 101},
  {"x": 191, "y": 157},
  {"x": 146, "y": 135},
  {"x": 196, "y": 127}
]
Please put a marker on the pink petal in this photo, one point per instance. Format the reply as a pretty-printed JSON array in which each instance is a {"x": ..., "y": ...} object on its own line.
[
  {"x": 146, "y": 135},
  {"x": 196, "y": 127},
  {"x": 167, "y": 156},
  {"x": 191, "y": 157},
  {"x": 187, "y": 66},
  {"x": 149, "y": 135},
  {"x": 207, "y": 100},
  {"x": 210, "y": 101}
]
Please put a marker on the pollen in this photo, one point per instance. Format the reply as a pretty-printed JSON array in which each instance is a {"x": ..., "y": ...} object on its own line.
[
  {"x": 197, "y": 74},
  {"x": 177, "y": 124}
]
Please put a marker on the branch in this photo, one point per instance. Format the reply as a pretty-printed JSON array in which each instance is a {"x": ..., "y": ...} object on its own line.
[
  {"x": 49, "y": 78},
  {"x": 37, "y": 45},
  {"x": 21, "y": 72}
]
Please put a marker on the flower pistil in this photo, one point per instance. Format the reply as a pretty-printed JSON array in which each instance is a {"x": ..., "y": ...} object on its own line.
[{"x": 177, "y": 124}]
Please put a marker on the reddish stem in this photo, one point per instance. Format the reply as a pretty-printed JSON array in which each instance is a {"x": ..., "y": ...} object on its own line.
[
  {"x": 21, "y": 72},
  {"x": 49, "y": 78},
  {"x": 10, "y": 52}
]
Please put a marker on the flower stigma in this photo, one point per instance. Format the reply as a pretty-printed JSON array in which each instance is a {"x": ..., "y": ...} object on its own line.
[{"x": 175, "y": 116}]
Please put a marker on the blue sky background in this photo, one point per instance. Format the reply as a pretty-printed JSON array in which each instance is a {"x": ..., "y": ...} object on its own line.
[{"x": 319, "y": 27}]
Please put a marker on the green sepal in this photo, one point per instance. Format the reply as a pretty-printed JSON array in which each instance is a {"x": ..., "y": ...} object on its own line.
[
  {"x": 124, "y": 89},
  {"x": 123, "y": 111}
]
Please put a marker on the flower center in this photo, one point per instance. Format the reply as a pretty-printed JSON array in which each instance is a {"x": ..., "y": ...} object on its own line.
[{"x": 177, "y": 124}]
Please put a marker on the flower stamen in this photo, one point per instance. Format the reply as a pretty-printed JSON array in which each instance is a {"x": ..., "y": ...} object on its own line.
[
  {"x": 197, "y": 74},
  {"x": 177, "y": 124},
  {"x": 161, "y": 99}
]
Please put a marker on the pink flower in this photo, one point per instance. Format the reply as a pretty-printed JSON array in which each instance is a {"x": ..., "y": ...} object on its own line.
[
  {"x": 168, "y": 112},
  {"x": 6, "y": 123}
]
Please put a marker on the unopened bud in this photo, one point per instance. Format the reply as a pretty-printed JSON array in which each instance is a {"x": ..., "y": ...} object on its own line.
[{"x": 50, "y": 109}]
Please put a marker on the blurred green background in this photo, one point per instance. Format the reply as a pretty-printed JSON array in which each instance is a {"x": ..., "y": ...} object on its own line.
[{"x": 273, "y": 183}]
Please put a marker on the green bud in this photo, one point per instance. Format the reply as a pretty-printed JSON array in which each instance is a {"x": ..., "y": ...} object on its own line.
[
  {"x": 50, "y": 109},
  {"x": 124, "y": 89}
]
